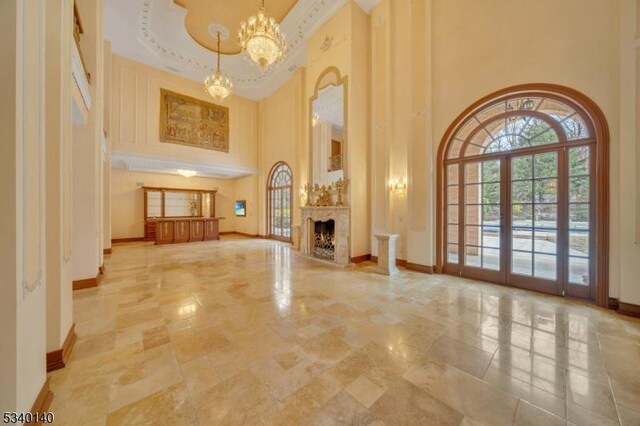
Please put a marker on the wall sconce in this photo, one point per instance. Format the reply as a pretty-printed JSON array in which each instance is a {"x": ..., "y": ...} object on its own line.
[{"x": 398, "y": 185}]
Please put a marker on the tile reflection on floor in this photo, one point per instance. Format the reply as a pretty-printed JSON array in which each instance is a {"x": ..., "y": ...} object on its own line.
[{"x": 243, "y": 331}]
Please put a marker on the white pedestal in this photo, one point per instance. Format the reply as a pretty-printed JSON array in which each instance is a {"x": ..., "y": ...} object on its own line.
[{"x": 387, "y": 254}]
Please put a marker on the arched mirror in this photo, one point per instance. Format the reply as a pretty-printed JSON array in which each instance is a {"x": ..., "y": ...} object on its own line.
[{"x": 328, "y": 128}]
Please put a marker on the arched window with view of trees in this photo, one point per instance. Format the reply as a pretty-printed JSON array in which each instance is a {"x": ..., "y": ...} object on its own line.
[
  {"x": 521, "y": 174},
  {"x": 279, "y": 198}
]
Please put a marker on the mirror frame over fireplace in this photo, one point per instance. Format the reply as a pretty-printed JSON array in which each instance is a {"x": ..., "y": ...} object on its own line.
[{"x": 331, "y": 77}]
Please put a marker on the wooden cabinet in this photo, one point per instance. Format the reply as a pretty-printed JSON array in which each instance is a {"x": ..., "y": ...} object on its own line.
[
  {"x": 164, "y": 232},
  {"x": 150, "y": 230},
  {"x": 178, "y": 215},
  {"x": 211, "y": 230},
  {"x": 169, "y": 231},
  {"x": 197, "y": 230},
  {"x": 181, "y": 233}
]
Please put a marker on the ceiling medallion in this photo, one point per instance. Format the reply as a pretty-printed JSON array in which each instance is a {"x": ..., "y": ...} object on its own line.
[
  {"x": 217, "y": 84},
  {"x": 261, "y": 38}
]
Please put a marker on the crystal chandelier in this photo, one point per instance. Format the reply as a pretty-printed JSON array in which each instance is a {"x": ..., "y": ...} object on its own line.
[
  {"x": 217, "y": 85},
  {"x": 260, "y": 36}
]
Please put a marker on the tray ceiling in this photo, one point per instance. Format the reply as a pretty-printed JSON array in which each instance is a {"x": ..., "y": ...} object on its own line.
[
  {"x": 204, "y": 17},
  {"x": 163, "y": 33}
]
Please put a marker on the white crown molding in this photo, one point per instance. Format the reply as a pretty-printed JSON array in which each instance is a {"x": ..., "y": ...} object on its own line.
[
  {"x": 121, "y": 160},
  {"x": 156, "y": 36}
]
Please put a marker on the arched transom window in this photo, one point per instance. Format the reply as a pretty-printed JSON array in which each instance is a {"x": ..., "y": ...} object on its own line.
[{"x": 518, "y": 123}]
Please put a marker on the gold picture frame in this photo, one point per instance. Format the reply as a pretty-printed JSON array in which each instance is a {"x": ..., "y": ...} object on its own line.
[{"x": 193, "y": 122}]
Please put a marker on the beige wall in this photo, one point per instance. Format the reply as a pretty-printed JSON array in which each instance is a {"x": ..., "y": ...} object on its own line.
[
  {"x": 22, "y": 229},
  {"x": 462, "y": 51},
  {"x": 247, "y": 189},
  {"x": 349, "y": 32},
  {"x": 136, "y": 111},
  {"x": 127, "y": 204},
  {"x": 88, "y": 156},
  {"x": 624, "y": 166},
  {"x": 281, "y": 135},
  {"x": 59, "y": 123},
  {"x": 480, "y": 48}
]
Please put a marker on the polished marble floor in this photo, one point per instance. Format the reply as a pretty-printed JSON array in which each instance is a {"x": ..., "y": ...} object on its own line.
[{"x": 246, "y": 332}]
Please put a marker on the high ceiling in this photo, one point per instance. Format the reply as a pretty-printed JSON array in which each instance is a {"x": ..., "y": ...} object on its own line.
[
  {"x": 205, "y": 17},
  {"x": 174, "y": 35}
]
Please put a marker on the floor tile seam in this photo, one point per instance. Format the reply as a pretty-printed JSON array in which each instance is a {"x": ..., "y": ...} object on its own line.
[{"x": 615, "y": 401}]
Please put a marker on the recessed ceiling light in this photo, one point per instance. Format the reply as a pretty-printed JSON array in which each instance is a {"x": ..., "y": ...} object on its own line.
[{"x": 172, "y": 69}]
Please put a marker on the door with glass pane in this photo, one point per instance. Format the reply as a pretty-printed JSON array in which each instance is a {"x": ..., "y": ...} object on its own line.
[
  {"x": 535, "y": 222},
  {"x": 279, "y": 197},
  {"x": 518, "y": 200},
  {"x": 482, "y": 231},
  {"x": 581, "y": 244}
]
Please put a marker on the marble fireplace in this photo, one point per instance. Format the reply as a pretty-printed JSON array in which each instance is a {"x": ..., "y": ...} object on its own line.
[{"x": 325, "y": 233}]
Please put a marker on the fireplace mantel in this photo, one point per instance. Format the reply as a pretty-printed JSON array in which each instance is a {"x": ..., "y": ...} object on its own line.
[{"x": 341, "y": 216}]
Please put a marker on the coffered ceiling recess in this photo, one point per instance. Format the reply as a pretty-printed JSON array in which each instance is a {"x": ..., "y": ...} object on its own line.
[
  {"x": 179, "y": 36},
  {"x": 204, "y": 17}
]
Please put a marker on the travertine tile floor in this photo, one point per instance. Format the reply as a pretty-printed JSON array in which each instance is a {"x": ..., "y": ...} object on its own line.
[{"x": 245, "y": 331}]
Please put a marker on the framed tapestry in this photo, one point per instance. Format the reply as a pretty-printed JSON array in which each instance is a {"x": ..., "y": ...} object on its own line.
[{"x": 189, "y": 121}]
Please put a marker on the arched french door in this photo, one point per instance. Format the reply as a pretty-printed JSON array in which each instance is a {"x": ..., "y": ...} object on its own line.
[
  {"x": 279, "y": 199},
  {"x": 523, "y": 179}
]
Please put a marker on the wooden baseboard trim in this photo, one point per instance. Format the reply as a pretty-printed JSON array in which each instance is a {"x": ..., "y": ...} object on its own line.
[
  {"x": 106, "y": 251},
  {"x": 629, "y": 309},
  {"x": 126, "y": 240},
  {"x": 241, "y": 233},
  {"x": 43, "y": 400},
  {"x": 419, "y": 268},
  {"x": 613, "y": 303},
  {"x": 58, "y": 359},
  {"x": 248, "y": 235},
  {"x": 101, "y": 269},
  {"x": 399, "y": 262},
  {"x": 86, "y": 283},
  {"x": 360, "y": 259}
]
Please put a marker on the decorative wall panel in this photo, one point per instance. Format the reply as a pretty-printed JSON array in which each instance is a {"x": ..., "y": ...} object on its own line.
[
  {"x": 418, "y": 141},
  {"x": 31, "y": 154},
  {"x": 381, "y": 111}
]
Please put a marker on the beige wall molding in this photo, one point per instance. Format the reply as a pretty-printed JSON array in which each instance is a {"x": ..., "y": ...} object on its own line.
[{"x": 58, "y": 359}]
